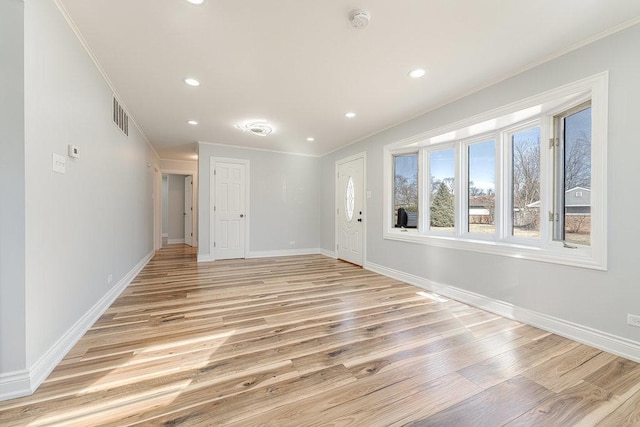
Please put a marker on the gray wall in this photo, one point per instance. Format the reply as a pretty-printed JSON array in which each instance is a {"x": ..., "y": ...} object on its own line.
[
  {"x": 95, "y": 220},
  {"x": 12, "y": 178},
  {"x": 175, "y": 208},
  {"x": 165, "y": 205},
  {"x": 595, "y": 299},
  {"x": 285, "y": 198}
]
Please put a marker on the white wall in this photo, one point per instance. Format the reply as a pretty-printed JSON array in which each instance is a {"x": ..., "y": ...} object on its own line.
[
  {"x": 285, "y": 199},
  {"x": 591, "y": 299},
  {"x": 165, "y": 205},
  {"x": 94, "y": 221},
  {"x": 12, "y": 203},
  {"x": 175, "y": 208}
]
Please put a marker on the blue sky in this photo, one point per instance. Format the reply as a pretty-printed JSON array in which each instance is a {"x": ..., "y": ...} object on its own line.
[
  {"x": 482, "y": 155},
  {"x": 482, "y": 164}
]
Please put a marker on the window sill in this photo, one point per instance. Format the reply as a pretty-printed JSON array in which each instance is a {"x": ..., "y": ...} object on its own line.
[{"x": 582, "y": 257}]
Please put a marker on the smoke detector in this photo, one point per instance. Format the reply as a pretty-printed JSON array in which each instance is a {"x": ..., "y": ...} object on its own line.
[
  {"x": 359, "y": 18},
  {"x": 256, "y": 127}
]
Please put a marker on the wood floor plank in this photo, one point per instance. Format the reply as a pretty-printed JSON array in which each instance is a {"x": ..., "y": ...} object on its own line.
[
  {"x": 493, "y": 407},
  {"x": 313, "y": 341}
]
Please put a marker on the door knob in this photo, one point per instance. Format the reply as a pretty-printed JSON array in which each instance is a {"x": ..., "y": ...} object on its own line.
[
  {"x": 241, "y": 215},
  {"x": 359, "y": 219}
]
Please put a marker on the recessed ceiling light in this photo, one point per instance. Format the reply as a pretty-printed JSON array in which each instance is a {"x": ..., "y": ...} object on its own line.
[
  {"x": 310, "y": 139},
  {"x": 197, "y": 2},
  {"x": 192, "y": 122},
  {"x": 417, "y": 73},
  {"x": 350, "y": 115},
  {"x": 191, "y": 81}
]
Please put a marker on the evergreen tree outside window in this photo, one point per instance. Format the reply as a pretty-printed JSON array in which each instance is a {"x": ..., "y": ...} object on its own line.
[{"x": 442, "y": 186}]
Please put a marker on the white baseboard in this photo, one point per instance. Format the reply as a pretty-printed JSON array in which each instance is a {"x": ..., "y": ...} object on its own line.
[
  {"x": 205, "y": 258},
  {"x": 15, "y": 384},
  {"x": 24, "y": 383},
  {"x": 608, "y": 342},
  {"x": 175, "y": 241},
  {"x": 283, "y": 252},
  {"x": 330, "y": 254}
]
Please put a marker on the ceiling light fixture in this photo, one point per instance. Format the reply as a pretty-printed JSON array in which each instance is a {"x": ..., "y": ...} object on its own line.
[
  {"x": 197, "y": 2},
  {"x": 310, "y": 139},
  {"x": 256, "y": 127},
  {"x": 192, "y": 122},
  {"x": 192, "y": 82},
  {"x": 350, "y": 115},
  {"x": 417, "y": 73}
]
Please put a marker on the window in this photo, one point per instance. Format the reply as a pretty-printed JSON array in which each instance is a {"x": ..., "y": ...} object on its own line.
[
  {"x": 524, "y": 146},
  {"x": 493, "y": 183},
  {"x": 350, "y": 199},
  {"x": 481, "y": 187},
  {"x": 442, "y": 185},
  {"x": 405, "y": 190},
  {"x": 572, "y": 165}
]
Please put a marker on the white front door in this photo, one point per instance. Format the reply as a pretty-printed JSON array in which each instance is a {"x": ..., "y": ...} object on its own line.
[
  {"x": 229, "y": 210},
  {"x": 350, "y": 210},
  {"x": 188, "y": 210}
]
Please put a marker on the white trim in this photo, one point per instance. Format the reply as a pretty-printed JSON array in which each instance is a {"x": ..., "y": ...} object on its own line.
[
  {"x": 15, "y": 384},
  {"x": 217, "y": 144},
  {"x": 175, "y": 241},
  {"x": 24, "y": 383},
  {"x": 205, "y": 258},
  {"x": 330, "y": 254},
  {"x": 284, "y": 252},
  {"x": 614, "y": 344}
]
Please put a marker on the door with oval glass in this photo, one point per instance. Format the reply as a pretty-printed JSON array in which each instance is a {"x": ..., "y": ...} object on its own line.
[{"x": 350, "y": 209}]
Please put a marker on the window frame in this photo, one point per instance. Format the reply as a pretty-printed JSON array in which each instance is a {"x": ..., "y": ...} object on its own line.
[
  {"x": 544, "y": 248},
  {"x": 507, "y": 213},
  {"x": 464, "y": 181},
  {"x": 405, "y": 152},
  {"x": 427, "y": 189}
]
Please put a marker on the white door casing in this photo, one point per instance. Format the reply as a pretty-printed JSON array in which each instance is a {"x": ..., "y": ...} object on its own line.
[
  {"x": 230, "y": 208},
  {"x": 350, "y": 213},
  {"x": 188, "y": 210}
]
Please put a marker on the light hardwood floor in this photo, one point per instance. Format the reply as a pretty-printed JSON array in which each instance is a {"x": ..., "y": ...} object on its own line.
[{"x": 311, "y": 341}]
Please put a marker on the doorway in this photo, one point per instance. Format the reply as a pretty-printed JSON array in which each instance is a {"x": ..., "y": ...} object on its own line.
[
  {"x": 177, "y": 209},
  {"x": 350, "y": 210}
]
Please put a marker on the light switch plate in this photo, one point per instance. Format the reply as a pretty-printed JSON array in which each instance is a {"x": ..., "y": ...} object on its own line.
[{"x": 59, "y": 164}]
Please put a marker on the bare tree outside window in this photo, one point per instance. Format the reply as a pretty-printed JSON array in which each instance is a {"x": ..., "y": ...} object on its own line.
[
  {"x": 576, "y": 196},
  {"x": 405, "y": 187},
  {"x": 525, "y": 151}
]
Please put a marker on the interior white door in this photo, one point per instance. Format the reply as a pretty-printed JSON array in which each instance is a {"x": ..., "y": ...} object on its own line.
[
  {"x": 349, "y": 211},
  {"x": 229, "y": 210},
  {"x": 188, "y": 210}
]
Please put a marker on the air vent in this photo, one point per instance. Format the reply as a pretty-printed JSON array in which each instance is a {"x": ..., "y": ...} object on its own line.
[{"x": 120, "y": 117}]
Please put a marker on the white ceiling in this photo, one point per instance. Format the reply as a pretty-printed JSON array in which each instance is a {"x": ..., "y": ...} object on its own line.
[{"x": 300, "y": 65}]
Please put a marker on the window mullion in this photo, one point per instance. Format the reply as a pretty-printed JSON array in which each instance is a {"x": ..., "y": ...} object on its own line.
[
  {"x": 500, "y": 219},
  {"x": 424, "y": 197},
  {"x": 462, "y": 196}
]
